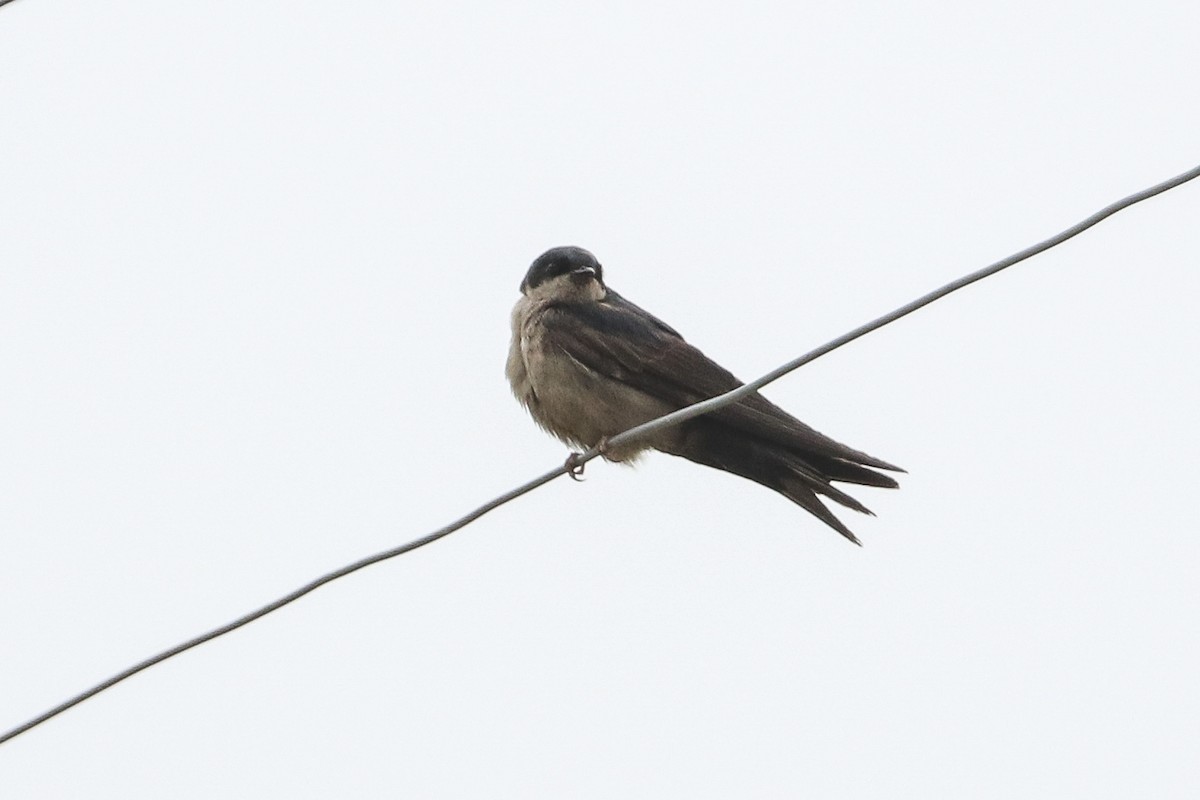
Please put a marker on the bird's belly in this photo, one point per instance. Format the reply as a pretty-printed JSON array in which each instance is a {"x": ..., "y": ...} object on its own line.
[{"x": 582, "y": 407}]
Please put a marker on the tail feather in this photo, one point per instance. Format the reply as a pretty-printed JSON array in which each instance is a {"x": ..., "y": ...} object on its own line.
[
  {"x": 798, "y": 476},
  {"x": 835, "y": 469},
  {"x": 796, "y": 491},
  {"x": 820, "y": 485}
]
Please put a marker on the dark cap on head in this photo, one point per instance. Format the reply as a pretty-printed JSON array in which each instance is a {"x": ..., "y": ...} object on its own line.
[{"x": 559, "y": 261}]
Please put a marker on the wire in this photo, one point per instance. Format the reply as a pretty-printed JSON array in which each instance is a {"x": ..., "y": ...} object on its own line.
[
  {"x": 695, "y": 410},
  {"x": 673, "y": 418}
]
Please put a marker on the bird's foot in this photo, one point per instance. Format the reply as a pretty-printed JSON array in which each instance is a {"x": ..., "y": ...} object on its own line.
[{"x": 575, "y": 465}]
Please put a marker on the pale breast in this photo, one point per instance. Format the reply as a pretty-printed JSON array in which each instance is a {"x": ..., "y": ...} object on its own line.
[{"x": 571, "y": 401}]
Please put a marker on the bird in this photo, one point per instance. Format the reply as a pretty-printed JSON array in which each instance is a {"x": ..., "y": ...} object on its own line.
[{"x": 588, "y": 364}]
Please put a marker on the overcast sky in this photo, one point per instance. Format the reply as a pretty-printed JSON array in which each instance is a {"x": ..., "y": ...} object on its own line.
[{"x": 256, "y": 266}]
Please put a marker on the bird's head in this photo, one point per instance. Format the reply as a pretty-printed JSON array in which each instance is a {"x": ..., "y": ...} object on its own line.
[{"x": 565, "y": 274}]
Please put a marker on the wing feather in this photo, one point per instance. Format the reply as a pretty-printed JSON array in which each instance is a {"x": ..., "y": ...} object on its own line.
[{"x": 621, "y": 341}]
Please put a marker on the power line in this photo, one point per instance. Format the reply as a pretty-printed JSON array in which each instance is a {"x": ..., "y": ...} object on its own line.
[
  {"x": 673, "y": 418},
  {"x": 705, "y": 406}
]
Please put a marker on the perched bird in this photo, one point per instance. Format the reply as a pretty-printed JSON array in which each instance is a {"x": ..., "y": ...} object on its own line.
[{"x": 588, "y": 364}]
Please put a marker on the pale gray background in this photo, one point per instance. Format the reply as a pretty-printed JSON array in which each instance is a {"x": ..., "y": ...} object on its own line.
[{"x": 257, "y": 261}]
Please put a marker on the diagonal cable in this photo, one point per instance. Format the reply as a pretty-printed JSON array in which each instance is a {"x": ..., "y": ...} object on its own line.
[{"x": 673, "y": 418}]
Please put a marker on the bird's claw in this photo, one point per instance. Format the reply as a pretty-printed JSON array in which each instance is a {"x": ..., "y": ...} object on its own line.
[
  {"x": 575, "y": 462},
  {"x": 575, "y": 465}
]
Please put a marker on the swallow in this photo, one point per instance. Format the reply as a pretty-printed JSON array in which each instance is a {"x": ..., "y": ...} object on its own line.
[{"x": 588, "y": 364}]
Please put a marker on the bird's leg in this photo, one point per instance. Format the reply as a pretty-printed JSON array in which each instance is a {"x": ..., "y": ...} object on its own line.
[{"x": 574, "y": 463}]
